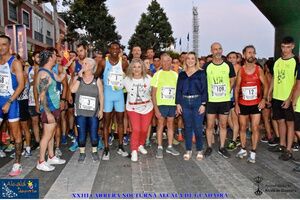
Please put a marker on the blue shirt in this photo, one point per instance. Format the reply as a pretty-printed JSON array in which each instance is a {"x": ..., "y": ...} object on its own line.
[{"x": 194, "y": 85}]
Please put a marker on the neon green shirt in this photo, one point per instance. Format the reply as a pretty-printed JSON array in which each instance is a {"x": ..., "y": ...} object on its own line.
[
  {"x": 165, "y": 82},
  {"x": 218, "y": 81},
  {"x": 284, "y": 77}
]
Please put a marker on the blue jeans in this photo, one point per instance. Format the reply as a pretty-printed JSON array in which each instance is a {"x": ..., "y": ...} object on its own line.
[
  {"x": 84, "y": 125},
  {"x": 193, "y": 122}
]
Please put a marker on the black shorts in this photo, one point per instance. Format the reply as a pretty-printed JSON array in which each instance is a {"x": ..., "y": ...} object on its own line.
[
  {"x": 297, "y": 121},
  {"x": 249, "y": 110},
  {"x": 32, "y": 111},
  {"x": 24, "y": 113},
  {"x": 280, "y": 113},
  {"x": 221, "y": 108}
]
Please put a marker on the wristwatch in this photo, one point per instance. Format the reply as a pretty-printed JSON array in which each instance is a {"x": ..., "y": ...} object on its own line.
[{"x": 9, "y": 100}]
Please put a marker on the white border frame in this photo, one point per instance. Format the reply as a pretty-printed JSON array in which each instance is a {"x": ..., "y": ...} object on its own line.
[{"x": 8, "y": 17}]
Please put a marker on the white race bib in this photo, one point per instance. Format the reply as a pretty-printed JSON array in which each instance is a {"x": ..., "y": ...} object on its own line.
[
  {"x": 115, "y": 80},
  {"x": 249, "y": 93},
  {"x": 87, "y": 103},
  {"x": 168, "y": 93},
  {"x": 4, "y": 82},
  {"x": 218, "y": 90}
]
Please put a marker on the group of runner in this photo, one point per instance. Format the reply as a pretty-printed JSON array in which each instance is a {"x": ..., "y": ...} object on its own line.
[{"x": 146, "y": 96}]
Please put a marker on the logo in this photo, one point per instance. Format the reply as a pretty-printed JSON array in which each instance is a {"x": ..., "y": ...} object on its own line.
[
  {"x": 19, "y": 188},
  {"x": 258, "y": 186}
]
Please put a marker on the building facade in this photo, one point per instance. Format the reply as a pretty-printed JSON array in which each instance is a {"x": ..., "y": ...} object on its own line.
[{"x": 37, "y": 18}]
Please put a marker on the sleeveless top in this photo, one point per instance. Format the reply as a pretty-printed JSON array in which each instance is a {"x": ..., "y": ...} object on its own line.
[
  {"x": 8, "y": 80},
  {"x": 113, "y": 76},
  {"x": 31, "y": 100},
  {"x": 87, "y": 99},
  {"x": 250, "y": 92},
  {"x": 52, "y": 94}
]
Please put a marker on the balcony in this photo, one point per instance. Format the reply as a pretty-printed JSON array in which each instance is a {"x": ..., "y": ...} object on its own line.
[
  {"x": 49, "y": 41},
  {"x": 38, "y": 36}
]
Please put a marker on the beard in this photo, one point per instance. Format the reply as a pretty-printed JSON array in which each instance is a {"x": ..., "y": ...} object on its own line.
[{"x": 251, "y": 60}]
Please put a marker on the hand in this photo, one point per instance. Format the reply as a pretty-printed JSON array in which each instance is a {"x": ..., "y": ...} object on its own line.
[
  {"x": 50, "y": 118},
  {"x": 80, "y": 73},
  {"x": 157, "y": 113},
  {"x": 37, "y": 108},
  {"x": 70, "y": 99},
  {"x": 237, "y": 109},
  {"x": 269, "y": 98},
  {"x": 100, "y": 114},
  {"x": 286, "y": 104},
  {"x": 178, "y": 110},
  {"x": 262, "y": 104},
  {"x": 5, "y": 108},
  {"x": 201, "y": 109}
]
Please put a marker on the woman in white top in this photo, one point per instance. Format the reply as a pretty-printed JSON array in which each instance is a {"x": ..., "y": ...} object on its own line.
[{"x": 139, "y": 105}]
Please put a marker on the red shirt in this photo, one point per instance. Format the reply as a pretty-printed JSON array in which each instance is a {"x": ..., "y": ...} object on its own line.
[{"x": 250, "y": 90}]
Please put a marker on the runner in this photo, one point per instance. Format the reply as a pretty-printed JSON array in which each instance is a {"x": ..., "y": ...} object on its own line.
[
  {"x": 220, "y": 79},
  {"x": 11, "y": 86},
  {"x": 50, "y": 113},
  {"x": 113, "y": 75},
  {"x": 191, "y": 97},
  {"x": 163, "y": 96},
  {"x": 139, "y": 105},
  {"x": 282, "y": 86},
  {"x": 32, "y": 72},
  {"x": 250, "y": 100},
  {"x": 88, "y": 106}
]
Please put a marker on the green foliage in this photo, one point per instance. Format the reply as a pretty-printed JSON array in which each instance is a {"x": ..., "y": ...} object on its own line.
[
  {"x": 153, "y": 29},
  {"x": 91, "y": 16}
]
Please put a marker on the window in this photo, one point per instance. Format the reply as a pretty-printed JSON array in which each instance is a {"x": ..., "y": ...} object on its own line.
[
  {"x": 37, "y": 23},
  {"x": 13, "y": 12},
  {"x": 26, "y": 18},
  {"x": 48, "y": 33}
]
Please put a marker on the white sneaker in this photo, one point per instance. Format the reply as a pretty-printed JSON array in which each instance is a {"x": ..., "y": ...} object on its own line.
[
  {"x": 241, "y": 154},
  {"x": 142, "y": 149},
  {"x": 55, "y": 161},
  {"x": 251, "y": 157},
  {"x": 2, "y": 154},
  {"x": 44, "y": 166},
  {"x": 134, "y": 156},
  {"x": 16, "y": 170}
]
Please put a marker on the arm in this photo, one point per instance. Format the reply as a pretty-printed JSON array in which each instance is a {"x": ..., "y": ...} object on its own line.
[
  {"x": 296, "y": 94},
  {"x": 18, "y": 71},
  {"x": 178, "y": 99},
  {"x": 75, "y": 85},
  {"x": 264, "y": 82},
  {"x": 157, "y": 113},
  {"x": 101, "y": 98},
  {"x": 204, "y": 93},
  {"x": 124, "y": 65},
  {"x": 236, "y": 93},
  {"x": 270, "y": 91},
  {"x": 35, "y": 91},
  {"x": 100, "y": 68}
]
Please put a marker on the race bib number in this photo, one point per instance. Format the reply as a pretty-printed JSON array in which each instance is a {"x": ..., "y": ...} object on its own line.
[
  {"x": 115, "y": 80},
  {"x": 168, "y": 93},
  {"x": 4, "y": 82},
  {"x": 218, "y": 90},
  {"x": 87, "y": 103},
  {"x": 249, "y": 93}
]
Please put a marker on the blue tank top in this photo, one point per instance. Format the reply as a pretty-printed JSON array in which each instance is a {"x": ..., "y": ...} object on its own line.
[
  {"x": 52, "y": 94},
  {"x": 113, "y": 77},
  {"x": 55, "y": 70}
]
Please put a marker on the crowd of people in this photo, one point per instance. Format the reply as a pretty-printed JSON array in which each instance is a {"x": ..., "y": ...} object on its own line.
[{"x": 146, "y": 99}]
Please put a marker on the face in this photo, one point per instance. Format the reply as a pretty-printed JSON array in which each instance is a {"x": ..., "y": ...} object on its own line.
[
  {"x": 36, "y": 59},
  {"x": 232, "y": 58},
  {"x": 136, "y": 52},
  {"x": 81, "y": 52},
  {"x": 166, "y": 62},
  {"x": 190, "y": 60},
  {"x": 239, "y": 58},
  {"x": 114, "y": 50},
  {"x": 98, "y": 58},
  {"x": 150, "y": 54},
  {"x": 176, "y": 62},
  {"x": 287, "y": 49},
  {"x": 124, "y": 58},
  {"x": 182, "y": 58},
  {"x": 86, "y": 66},
  {"x": 72, "y": 55},
  {"x": 53, "y": 59},
  {"x": 147, "y": 63},
  {"x": 156, "y": 62},
  {"x": 4, "y": 46},
  {"x": 216, "y": 50},
  {"x": 58, "y": 59},
  {"x": 249, "y": 55},
  {"x": 137, "y": 69},
  {"x": 201, "y": 63}
]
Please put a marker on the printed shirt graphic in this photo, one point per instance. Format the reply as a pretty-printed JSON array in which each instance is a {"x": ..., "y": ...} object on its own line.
[
  {"x": 165, "y": 82},
  {"x": 115, "y": 75},
  {"x": 218, "y": 81},
  {"x": 6, "y": 81},
  {"x": 284, "y": 77},
  {"x": 138, "y": 95}
]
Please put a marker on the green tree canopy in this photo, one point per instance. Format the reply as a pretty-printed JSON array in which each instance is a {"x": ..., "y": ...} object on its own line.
[
  {"x": 153, "y": 29},
  {"x": 91, "y": 16}
]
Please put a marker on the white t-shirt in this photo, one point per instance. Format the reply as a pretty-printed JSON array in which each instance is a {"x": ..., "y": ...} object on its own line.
[{"x": 138, "y": 95}]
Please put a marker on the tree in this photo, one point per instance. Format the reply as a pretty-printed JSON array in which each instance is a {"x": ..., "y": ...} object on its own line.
[
  {"x": 153, "y": 29},
  {"x": 91, "y": 16}
]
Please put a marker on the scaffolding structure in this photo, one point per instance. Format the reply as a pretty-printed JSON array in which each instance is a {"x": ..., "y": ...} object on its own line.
[{"x": 195, "y": 30}]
